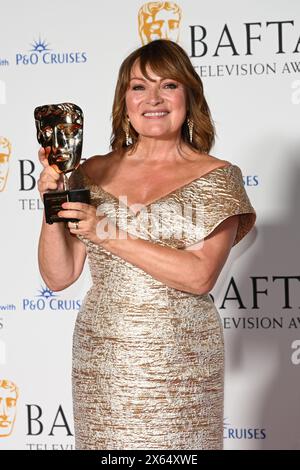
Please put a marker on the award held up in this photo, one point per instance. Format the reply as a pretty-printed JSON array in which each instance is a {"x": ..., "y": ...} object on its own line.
[{"x": 60, "y": 127}]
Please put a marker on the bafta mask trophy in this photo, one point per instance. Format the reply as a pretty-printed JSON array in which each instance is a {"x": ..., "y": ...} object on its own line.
[{"x": 60, "y": 126}]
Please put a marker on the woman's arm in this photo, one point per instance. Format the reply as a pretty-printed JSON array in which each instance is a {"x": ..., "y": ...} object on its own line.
[
  {"x": 61, "y": 255},
  {"x": 192, "y": 270}
]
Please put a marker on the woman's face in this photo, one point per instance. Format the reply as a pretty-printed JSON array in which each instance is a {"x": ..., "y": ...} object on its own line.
[{"x": 157, "y": 107}]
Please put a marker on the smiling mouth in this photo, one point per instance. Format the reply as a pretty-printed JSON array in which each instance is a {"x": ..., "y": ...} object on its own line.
[{"x": 155, "y": 114}]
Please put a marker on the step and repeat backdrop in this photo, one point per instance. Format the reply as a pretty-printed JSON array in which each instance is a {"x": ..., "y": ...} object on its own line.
[{"x": 248, "y": 56}]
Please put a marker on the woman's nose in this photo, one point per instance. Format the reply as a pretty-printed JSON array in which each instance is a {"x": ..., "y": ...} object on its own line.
[{"x": 154, "y": 97}]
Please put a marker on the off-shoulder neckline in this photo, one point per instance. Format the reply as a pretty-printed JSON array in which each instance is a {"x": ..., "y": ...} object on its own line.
[{"x": 175, "y": 191}]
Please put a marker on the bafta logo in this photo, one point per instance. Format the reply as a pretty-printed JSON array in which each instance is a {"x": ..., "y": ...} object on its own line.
[
  {"x": 5, "y": 152},
  {"x": 159, "y": 20},
  {"x": 9, "y": 394}
]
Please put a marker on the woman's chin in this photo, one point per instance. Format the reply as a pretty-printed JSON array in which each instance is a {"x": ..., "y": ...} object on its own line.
[{"x": 159, "y": 135}]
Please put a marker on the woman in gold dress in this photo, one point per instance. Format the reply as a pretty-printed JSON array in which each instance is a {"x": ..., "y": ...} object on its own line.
[{"x": 148, "y": 350}]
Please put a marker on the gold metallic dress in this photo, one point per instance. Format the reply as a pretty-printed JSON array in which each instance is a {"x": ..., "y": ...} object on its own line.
[{"x": 148, "y": 359}]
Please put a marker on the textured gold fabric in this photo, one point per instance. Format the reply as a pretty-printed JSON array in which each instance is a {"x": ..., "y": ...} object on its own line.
[{"x": 148, "y": 359}]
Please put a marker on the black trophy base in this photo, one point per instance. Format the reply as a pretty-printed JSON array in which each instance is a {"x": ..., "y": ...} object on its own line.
[{"x": 54, "y": 200}]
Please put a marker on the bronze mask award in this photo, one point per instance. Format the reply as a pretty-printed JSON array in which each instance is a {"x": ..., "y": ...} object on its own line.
[{"x": 60, "y": 126}]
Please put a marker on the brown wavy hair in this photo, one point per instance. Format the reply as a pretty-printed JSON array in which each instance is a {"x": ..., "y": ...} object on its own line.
[{"x": 168, "y": 60}]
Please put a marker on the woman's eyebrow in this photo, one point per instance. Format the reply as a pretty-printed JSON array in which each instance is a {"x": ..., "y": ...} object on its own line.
[
  {"x": 151, "y": 80},
  {"x": 138, "y": 78}
]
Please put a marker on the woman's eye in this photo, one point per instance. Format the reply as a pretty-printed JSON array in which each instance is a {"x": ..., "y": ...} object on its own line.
[
  {"x": 171, "y": 85},
  {"x": 137, "y": 87}
]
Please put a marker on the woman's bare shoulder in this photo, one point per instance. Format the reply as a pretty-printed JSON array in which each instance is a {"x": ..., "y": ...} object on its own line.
[
  {"x": 206, "y": 162},
  {"x": 215, "y": 161},
  {"x": 96, "y": 164}
]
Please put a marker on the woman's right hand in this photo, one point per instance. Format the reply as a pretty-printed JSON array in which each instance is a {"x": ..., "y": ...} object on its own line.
[{"x": 49, "y": 178}]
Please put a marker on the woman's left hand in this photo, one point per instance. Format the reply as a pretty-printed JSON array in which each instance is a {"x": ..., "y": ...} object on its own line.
[{"x": 88, "y": 221}]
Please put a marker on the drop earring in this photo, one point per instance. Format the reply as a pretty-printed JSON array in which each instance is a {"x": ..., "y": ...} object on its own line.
[
  {"x": 127, "y": 134},
  {"x": 190, "y": 124}
]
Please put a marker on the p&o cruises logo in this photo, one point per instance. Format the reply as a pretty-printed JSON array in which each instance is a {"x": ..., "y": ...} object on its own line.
[
  {"x": 41, "y": 53},
  {"x": 243, "y": 433},
  {"x": 47, "y": 300}
]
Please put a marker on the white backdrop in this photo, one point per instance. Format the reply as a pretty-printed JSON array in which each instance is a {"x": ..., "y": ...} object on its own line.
[{"x": 247, "y": 53}]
